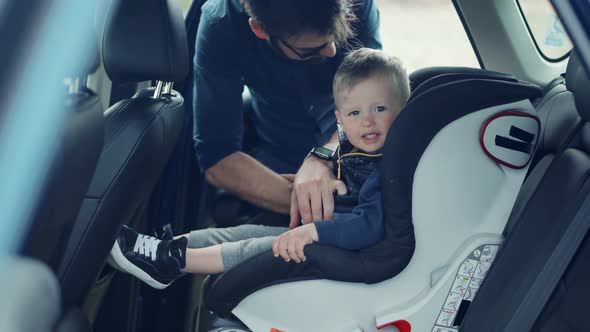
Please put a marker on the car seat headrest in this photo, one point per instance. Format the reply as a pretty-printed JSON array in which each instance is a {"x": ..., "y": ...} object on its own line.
[
  {"x": 145, "y": 40},
  {"x": 453, "y": 73},
  {"x": 426, "y": 78},
  {"x": 578, "y": 83},
  {"x": 90, "y": 62}
]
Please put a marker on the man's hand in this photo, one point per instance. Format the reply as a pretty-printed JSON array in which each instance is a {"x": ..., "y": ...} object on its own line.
[
  {"x": 312, "y": 199},
  {"x": 289, "y": 245},
  {"x": 290, "y": 178}
]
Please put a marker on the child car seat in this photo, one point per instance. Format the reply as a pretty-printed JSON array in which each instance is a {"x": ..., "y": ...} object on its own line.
[{"x": 453, "y": 163}]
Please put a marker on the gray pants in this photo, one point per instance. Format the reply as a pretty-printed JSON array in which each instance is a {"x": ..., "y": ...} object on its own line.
[{"x": 237, "y": 243}]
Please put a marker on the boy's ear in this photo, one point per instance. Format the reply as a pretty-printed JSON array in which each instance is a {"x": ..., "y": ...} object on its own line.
[
  {"x": 338, "y": 117},
  {"x": 257, "y": 29}
]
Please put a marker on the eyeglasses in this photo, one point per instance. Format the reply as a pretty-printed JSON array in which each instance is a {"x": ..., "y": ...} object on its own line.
[{"x": 312, "y": 53}]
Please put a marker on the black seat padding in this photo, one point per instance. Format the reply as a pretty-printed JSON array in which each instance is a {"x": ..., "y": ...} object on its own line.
[
  {"x": 78, "y": 148},
  {"x": 559, "y": 118},
  {"x": 422, "y": 75},
  {"x": 539, "y": 226},
  {"x": 423, "y": 79},
  {"x": 408, "y": 137},
  {"x": 142, "y": 40}
]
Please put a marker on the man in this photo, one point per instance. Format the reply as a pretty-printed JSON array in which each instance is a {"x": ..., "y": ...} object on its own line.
[{"x": 286, "y": 52}]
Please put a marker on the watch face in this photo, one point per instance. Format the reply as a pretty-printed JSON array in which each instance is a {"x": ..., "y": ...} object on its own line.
[{"x": 322, "y": 152}]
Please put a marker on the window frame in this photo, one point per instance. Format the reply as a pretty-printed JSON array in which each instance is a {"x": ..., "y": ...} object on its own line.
[
  {"x": 468, "y": 33},
  {"x": 539, "y": 50}
]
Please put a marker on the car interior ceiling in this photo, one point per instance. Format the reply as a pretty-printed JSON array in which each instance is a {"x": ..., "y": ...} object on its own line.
[{"x": 112, "y": 160}]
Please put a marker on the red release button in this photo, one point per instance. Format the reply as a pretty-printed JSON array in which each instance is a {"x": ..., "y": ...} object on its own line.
[{"x": 402, "y": 325}]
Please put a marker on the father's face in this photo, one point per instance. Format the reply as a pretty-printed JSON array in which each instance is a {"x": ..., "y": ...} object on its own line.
[{"x": 305, "y": 47}]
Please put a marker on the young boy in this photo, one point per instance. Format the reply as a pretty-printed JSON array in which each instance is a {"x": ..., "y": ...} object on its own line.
[{"x": 370, "y": 89}]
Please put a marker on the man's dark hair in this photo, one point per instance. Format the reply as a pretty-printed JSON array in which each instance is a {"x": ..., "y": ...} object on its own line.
[{"x": 288, "y": 18}]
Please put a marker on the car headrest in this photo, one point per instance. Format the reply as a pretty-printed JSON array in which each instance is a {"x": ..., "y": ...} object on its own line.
[
  {"x": 578, "y": 83},
  {"x": 89, "y": 61},
  {"x": 423, "y": 75},
  {"x": 89, "y": 64},
  {"x": 144, "y": 40}
]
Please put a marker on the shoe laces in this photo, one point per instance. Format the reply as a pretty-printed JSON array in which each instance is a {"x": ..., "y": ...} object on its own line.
[{"x": 147, "y": 246}]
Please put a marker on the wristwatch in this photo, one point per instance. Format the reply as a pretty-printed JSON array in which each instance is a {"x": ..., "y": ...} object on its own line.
[{"x": 322, "y": 153}]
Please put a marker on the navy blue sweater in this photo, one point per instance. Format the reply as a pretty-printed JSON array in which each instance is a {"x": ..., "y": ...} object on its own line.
[{"x": 360, "y": 228}]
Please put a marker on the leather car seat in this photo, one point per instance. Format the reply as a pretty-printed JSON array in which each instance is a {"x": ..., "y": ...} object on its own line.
[
  {"x": 141, "y": 40},
  {"x": 78, "y": 148}
]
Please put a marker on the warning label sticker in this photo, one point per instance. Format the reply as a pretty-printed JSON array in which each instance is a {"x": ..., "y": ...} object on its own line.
[
  {"x": 466, "y": 283},
  {"x": 443, "y": 329}
]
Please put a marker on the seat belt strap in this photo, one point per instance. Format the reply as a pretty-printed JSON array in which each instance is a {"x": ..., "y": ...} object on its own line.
[{"x": 542, "y": 288}]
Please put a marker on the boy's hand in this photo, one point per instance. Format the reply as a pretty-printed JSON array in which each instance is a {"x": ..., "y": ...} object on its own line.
[
  {"x": 289, "y": 245},
  {"x": 311, "y": 199}
]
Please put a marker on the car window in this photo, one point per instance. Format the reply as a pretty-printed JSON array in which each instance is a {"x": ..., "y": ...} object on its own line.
[
  {"x": 546, "y": 29},
  {"x": 441, "y": 42}
]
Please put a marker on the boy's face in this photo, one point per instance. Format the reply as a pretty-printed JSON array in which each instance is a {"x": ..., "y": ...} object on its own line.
[{"x": 367, "y": 110}]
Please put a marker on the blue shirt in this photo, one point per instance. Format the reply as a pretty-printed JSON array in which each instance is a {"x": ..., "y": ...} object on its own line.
[
  {"x": 292, "y": 102},
  {"x": 361, "y": 228}
]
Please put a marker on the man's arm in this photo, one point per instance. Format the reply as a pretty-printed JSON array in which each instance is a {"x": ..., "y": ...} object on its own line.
[
  {"x": 312, "y": 197},
  {"x": 250, "y": 180},
  {"x": 218, "y": 119}
]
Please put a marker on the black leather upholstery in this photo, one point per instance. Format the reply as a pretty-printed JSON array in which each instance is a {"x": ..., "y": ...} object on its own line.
[
  {"x": 449, "y": 74},
  {"x": 424, "y": 79},
  {"x": 140, "y": 134},
  {"x": 558, "y": 116},
  {"x": 70, "y": 173},
  {"x": 139, "y": 137},
  {"x": 551, "y": 208},
  {"x": 554, "y": 193},
  {"x": 158, "y": 47},
  {"x": 559, "y": 119},
  {"x": 577, "y": 82}
]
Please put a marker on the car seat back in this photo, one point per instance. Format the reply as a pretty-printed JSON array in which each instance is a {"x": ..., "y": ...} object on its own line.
[
  {"x": 78, "y": 148},
  {"x": 538, "y": 228},
  {"x": 142, "y": 40}
]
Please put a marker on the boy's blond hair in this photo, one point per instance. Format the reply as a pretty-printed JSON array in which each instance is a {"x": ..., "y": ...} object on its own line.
[{"x": 365, "y": 63}]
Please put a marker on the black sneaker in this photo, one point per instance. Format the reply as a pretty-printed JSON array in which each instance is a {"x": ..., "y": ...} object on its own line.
[
  {"x": 162, "y": 233},
  {"x": 156, "y": 262}
]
